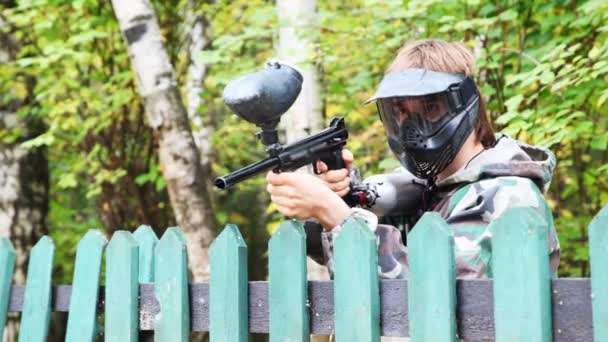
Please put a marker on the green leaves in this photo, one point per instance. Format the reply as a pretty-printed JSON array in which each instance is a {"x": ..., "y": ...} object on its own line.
[
  {"x": 72, "y": 75},
  {"x": 153, "y": 176},
  {"x": 542, "y": 67}
]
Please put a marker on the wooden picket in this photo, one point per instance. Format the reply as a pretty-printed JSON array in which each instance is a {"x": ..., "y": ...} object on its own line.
[
  {"x": 82, "y": 319},
  {"x": 7, "y": 265},
  {"x": 432, "y": 281},
  {"x": 36, "y": 311},
  {"x": 146, "y": 240},
  {"x": 288, "y": 286},
  {"x": 357, "y": 307},
  {"x": 522, "y": 281},
  {"x": 171, "y": 288},
  {"x": 122, "y": 288},
  {"x": 598, "y": 253},
  {"x": 516, "y": 305},
  {"x": 228, "y": 290}
]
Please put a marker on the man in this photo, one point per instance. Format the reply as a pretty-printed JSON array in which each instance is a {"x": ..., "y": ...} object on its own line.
[{"x": 436, "y": 125}]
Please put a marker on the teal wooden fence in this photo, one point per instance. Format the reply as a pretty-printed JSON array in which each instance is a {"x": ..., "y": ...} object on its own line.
[{"x": 147, "y": 288}]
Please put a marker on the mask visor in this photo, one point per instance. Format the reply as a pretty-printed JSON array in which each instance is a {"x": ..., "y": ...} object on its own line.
[{"x": 425, "y": 114}]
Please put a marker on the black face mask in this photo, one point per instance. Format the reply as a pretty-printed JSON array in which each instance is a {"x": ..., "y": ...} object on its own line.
[
  {"x": 426, "y": 131},
  {"x": 427, "y": 156}
]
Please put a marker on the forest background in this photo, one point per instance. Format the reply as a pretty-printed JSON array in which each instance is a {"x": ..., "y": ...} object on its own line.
[{"x": 77, "y": 150}]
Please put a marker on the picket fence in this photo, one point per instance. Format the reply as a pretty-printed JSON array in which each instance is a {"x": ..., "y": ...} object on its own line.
[{"x": 146, "y": 288}]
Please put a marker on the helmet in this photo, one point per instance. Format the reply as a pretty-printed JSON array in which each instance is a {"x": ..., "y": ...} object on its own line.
[{"x": 427, "y": 116}]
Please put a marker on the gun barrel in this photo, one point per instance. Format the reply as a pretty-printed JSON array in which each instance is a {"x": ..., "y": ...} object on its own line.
[{"x": 246, "y": 172}]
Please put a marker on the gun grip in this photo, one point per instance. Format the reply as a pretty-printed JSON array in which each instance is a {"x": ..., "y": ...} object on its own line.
[{"x": 332, "y": 159}]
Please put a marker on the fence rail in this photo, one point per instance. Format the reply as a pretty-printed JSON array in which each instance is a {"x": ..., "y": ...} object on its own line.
[
  {"x": 147, "y": 288},
  {"x": 571, "y": 301}
]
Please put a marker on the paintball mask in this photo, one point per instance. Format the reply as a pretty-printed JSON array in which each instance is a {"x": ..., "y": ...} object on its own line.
[{"x": 427, "y": 116}]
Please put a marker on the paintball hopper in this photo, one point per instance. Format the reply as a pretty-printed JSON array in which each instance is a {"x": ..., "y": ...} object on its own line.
[{"x": 262, "y": 97}]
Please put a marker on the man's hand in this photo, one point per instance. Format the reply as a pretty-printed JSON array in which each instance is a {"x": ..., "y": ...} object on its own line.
[
  {"x": 337, "y": 180},
  {"x": 304, "y": 196}
]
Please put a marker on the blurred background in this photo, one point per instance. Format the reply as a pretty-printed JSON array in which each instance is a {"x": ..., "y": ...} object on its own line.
[{"x": 77, "y": 150}]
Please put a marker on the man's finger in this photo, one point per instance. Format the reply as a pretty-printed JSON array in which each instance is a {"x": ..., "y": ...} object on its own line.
[
  {"x": 348, "y": 158},
  {"x": 334, "y": 176},
  {"x": 285, "y": 210},
  {"x": 283, "y": 178},
  {"x": 343, "y": 192},
  {"x": 341, "y": 185},
  {"x": 274, "y": 178},
  {"x": 321, "y": 166},
  {"x": 282, "y": 201},
  {"x": 282, "y": 190}
]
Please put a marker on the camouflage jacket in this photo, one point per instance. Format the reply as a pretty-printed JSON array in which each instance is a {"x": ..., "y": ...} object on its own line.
[{"x": 511, "y": 174}]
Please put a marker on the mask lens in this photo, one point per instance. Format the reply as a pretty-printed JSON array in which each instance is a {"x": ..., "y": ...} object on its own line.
[{"x": 425, "y": 113}]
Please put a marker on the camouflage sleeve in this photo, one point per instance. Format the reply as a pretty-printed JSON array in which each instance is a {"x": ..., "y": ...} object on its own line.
[
  {"x": 392, "y": 254},
  {"x": 468, "y": 212},
  {"x": 473, "y": 207}
]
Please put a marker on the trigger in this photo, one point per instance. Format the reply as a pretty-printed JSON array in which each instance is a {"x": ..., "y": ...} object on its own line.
[{"x": 315, "y": 169}]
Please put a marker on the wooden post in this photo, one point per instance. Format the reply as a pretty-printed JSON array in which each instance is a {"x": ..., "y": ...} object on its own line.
[
  {"x": 432, "y": 281},
  {"x": 171, "y": 288},
  {"x": 288, "y": 286},
  {"x": 522, "y": 281},
  {"x": 7, "y": 265},
  {"x": 228, "y": 287},
  {"x": 147, "y": 241},
  {"x": 122, "y": 288},
  {"x": 598, "y": 253},
  {"x": 82, "y": 318},
  {"x": 356, "y": 290},
  {"x": 36, "y": 311}
]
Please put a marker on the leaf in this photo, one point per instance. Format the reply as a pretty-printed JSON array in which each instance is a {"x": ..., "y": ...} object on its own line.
[
  {"x": 507, "y": 117},
  {"x": 599, "y": 142},
  {"x": 508, "y": 15},
  {"x": 602, "y": 99},
  {"x": 160, "y": 184},
  {"x": 45, "y": 139},
  {"x": 67, "y": 180},
  {"x": 513, "y": 103},
  {"x": 546, "y": 77},
  {"x": 142, "y": 179}
]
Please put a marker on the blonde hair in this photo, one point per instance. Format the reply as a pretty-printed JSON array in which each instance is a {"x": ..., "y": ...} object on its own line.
[
  {"x": 436, "y": 55},
  {"x": 442, "y": 56}
]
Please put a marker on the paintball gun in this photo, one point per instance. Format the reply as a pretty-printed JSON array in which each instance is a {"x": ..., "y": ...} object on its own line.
[{"x": 262, "y": 97}]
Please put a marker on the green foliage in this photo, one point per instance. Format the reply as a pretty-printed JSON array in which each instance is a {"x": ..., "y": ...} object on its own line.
[
  {"x": 73, "y": 74},
  {"x": 542, "y": 67}
]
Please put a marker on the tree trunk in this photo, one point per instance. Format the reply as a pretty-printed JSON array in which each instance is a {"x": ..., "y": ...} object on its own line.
[
  {"x": 198, "y": 29},
  {"x": 179, "y": 156},
  {"x": 24, "y": 182},
  {"x": 198, "y": 37},
  {"x": 298, "y": 36}
]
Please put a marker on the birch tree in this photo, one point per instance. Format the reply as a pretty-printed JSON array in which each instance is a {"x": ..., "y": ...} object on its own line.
[
  {"x": 298, "y": 36},
  {"x": 167, "y": 116},
  {"x": 198, "y": 38}
]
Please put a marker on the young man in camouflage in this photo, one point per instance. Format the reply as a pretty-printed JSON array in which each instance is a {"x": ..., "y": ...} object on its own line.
[{"x": 437, "y": 127}]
